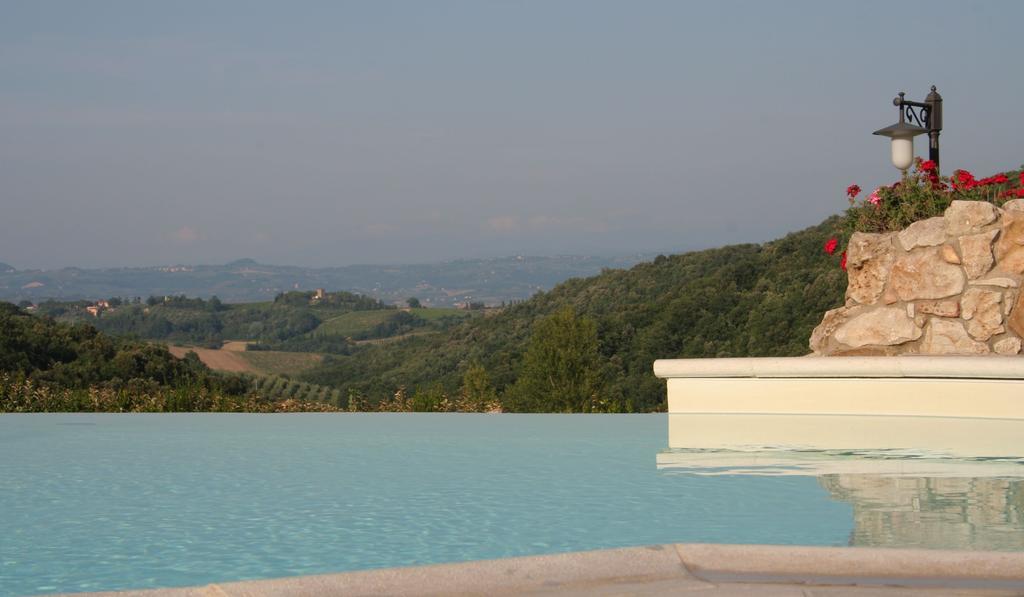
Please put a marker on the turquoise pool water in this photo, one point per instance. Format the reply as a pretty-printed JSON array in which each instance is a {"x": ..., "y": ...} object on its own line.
[{"x": 98, "y": 502}]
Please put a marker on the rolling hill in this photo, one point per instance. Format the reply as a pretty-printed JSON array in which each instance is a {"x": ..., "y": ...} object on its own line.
[
  {"x": 741, "y": 300},
  {"x": 445, "y": 284}
]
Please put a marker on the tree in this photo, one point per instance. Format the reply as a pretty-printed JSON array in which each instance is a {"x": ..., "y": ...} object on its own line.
[
  {"x": 414, "y": 303},
  {"x": 476, "y": 394},
  {"x": 561, "y": 366}
]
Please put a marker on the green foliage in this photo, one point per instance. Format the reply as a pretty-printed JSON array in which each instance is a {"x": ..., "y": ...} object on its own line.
[
  {"x": 477, "y": 394},
  {"x": 78, "y": 356},
  {"x": 430, "y": 399},
  {"x": 743, "y": 300},
  {"x": 49, "y": 366},
  {"x": 280, "y": 325},
  {"x": 561, "y": 366},
  {"x": 343, "y": 301},
  {"x": 922, "y": 194},
  {"x": 280, "y": 388},
  {"x": 20, "y": 395}
]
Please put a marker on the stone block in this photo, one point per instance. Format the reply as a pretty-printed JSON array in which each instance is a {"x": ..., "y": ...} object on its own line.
[
  {"x": 924, "y": 233},
  {"x": 886, "y": 326},
  {"x": 949, "y": 255},
  {"x": 983, "y": 311},
  {"x": 1014, "y": 205},
  {"x": 977, "y": 253},
  {"x": 1009, "y": 249},
  {"x": 869, "y": 258},
  {"x": 944, "y": 336},
  {"x": 827, "y": 328},
  {"x": 923, "y": 274},
  {"x": 968, "y": 217},
  {"x": 1016, "y": 319},
  {"x": 1007, "y": 346},
  {"x": 1000, "y": 281},
  {"x": 947, "y": 308}
]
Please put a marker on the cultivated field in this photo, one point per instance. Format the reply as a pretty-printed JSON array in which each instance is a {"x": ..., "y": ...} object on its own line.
[
  {"x": 233, "y": 358},
  {"x": 351, "y": 323},
  {"x": 219, "y": 360}
]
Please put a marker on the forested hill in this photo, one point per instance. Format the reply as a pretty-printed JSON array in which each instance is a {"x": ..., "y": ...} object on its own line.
[{"x": 599, "y": 336}]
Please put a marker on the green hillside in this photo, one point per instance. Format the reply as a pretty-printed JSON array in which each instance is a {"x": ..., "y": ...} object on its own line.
[
  {"x": 742, "y": 300},
  {"x": 364, "y": 325},
  {"x": 179, "y": 319},
  {"x": 51, "y": 366}
]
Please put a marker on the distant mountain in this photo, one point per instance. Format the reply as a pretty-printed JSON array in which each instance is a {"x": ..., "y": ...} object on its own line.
[{"x": 490, "y": 281}]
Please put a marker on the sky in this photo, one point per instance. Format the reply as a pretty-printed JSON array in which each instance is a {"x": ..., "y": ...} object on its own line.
[{"x": 138, "y": 133}]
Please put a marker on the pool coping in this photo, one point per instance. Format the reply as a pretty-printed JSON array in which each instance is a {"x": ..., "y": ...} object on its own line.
[
  {"x": 915, "y": 366},
  {"x": 655, "y": 569}
]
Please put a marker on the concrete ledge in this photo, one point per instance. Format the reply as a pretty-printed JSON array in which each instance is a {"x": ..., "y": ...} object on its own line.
[
  {"x": 870, "y": 566},
  {"x": 980, "y": 367},
  {"x": 894, "y": 397},
  {"x": 658, "y": 570}
]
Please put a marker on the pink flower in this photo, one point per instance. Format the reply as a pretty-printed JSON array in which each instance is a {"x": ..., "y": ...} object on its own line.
[{"x": 874, "y": 198}]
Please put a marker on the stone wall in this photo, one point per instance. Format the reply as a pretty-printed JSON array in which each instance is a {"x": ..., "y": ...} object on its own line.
[{"x": 945, "y": 285}]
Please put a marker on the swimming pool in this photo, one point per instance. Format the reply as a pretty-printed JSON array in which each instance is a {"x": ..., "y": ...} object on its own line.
[{"x": 100, "y": 502}]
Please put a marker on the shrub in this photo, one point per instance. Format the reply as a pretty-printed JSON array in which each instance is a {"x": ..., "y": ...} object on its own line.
[
  {"x": 920, "y": 195},
  {"x": 923, "y": 194}
]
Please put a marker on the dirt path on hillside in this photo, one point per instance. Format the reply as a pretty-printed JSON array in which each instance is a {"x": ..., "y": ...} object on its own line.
[{"x": 220, "y": 360}]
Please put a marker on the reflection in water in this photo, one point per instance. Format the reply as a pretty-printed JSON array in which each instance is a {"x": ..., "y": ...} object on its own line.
[
  {"x": 946, "y": 513},
  {"x": 912, "y": 482}
]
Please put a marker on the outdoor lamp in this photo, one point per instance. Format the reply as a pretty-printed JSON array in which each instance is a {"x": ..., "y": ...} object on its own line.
[
  {"x": 928, "y": 116},
  {"x": 902, "y": 135}
]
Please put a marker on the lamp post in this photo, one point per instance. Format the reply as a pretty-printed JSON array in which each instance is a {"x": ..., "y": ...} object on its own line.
[{"x": 928, "y": 116}]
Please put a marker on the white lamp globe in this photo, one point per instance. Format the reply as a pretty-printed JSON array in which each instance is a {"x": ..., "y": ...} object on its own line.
[{"x": 902, "y": 152}]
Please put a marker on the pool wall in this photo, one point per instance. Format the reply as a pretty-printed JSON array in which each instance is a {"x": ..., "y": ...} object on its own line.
[{"x": 921, "y": 386}]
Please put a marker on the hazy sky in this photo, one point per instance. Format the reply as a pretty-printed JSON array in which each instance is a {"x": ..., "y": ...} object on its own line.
[{"x": 330, "y": 133}]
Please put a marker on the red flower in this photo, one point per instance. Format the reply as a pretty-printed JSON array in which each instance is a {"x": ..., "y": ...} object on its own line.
[
  {"x": 852, "y": 191},
  {"x": 997, "y": 179},
  {"x": 1022, "y": 178},
  {"x": 964, "y": 179},
  {"x": 842, "y": 261},
  {"x": 830, "y": 245},
  {"x": 928, "y": 166}
]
